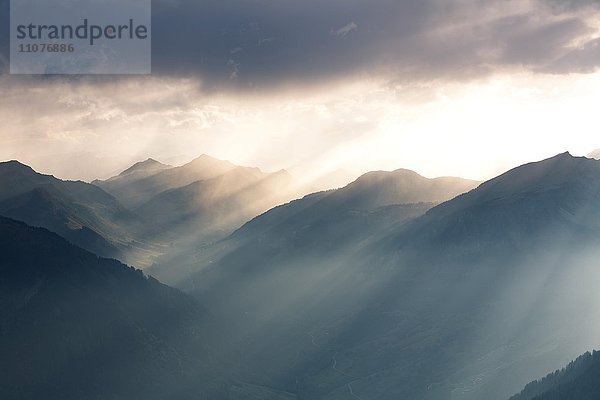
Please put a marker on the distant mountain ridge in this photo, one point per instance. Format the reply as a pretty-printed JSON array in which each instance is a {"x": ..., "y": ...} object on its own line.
[
  {"x": 206, "y": 197},
  {"x": 219, "y": 204},
  {"x": 318, "y": 219},
  {"x": 79, "y": 211},
  {"x": 203, "y": 200},
  {"x": 34, "y": 205},
  {"x": 137, "y": 190},
  {"x": 369, "y": 192},
  {"x": 199, "y": 202},
  {"x": 402, "y": 186},
  {"x": 148, "y": 166}
]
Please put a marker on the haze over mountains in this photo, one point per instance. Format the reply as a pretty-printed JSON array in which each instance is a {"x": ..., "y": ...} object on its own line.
[
  {"x": 216, "y": 206},
  {"x": 119, "y": 184},
  {"x": 470, "y": 300},
  {"x": 395, "y": 286},
  {"x": 82, "y": 213},
  {"x": 327, "y": 220},
  {"x": 204, "y": 199},
  {"x": 138, "y": 184},
  {"x": 140, "y": 214}
]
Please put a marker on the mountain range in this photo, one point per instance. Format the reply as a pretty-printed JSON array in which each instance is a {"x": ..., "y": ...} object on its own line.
[
  {"x": 468, "y": 299},
  {"x": 82, "y": 213},
  {"x": 326, "y": 219},
  {"x": 147, "y": 213},
  {"x": 394, "y": 286},
  {"x": 216, "y": 206},
  {"x": 142, "y": 181},
  {"x": 198, "y": 202}
]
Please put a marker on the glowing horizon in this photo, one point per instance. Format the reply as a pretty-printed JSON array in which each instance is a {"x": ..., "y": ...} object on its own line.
[{"x": 473, "y": 130}]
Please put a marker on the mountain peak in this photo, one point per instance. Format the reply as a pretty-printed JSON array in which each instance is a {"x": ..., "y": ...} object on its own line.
[
  {"x": 16, "y": 170},
  {"x": 374, "y": 177},
  {"x": 402, "y": 186},
  {"x": 283, "y": 172},
  {"x": 553, "y": 170},
  {"x": 205, "y": 159},
  {"x": 148, "y": 165},
  {"x": 549, "y": 174},
  {"x": 15, "y": 165},
  {"x": 207, "y": 164},
  {"x": 566, "y": 154}
]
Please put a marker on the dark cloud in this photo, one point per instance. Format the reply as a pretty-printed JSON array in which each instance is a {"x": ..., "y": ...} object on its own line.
[
  {"x": 4, "y": 35},
  {"x": 259, "y": 43},
  {"x": 254, "y": 43},
  {"x": 527, "y": 42}
]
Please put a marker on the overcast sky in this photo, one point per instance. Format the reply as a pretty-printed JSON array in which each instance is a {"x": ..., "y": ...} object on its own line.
[{"x": 444, "y": 87}]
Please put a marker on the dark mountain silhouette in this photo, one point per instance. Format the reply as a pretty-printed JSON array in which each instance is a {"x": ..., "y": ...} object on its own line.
[
  {"x": 80, "y": 212},
  {"x": 75, "y": 326},
  {"x": 580, "y": 380},
  {"x": 470, "y": 300}
]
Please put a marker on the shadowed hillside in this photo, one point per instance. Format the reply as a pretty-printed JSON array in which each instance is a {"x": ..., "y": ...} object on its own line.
[
  {"x": 78, "y": 211},
  {"x": 580, "y": 380},
  {"x": 77, "y": 326}
]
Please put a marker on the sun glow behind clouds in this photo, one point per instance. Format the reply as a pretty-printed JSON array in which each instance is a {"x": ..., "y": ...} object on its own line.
[
  {"x": 475, "y": 130},
  {"x": 484, "y": 128}
]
